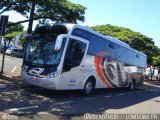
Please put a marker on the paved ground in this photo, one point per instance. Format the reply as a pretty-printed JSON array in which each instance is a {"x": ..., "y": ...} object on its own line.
[{"x": 12, "y": 65}]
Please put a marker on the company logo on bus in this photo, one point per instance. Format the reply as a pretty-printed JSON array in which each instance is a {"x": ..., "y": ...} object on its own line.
[
  {"x": 36, "y": 71},
  {"x": 110, "y": 72}
]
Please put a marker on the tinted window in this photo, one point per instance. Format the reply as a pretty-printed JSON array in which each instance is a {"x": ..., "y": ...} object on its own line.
[
  {"x": 131, "y": 57},
  {"x": 96, "y": 45},
  {"x": 137, "y": 55},
  {"x": 112, "y": 45},
  {"x": 49, "y": 31},
  {"x": 15, "y": 50},
  {"x": 21, "y": 51},
  {"x": 74, "y": 54},
  {"x": 81, "y": 33},
  {"x": 121, "y": 54},
  {"x": 112, "y": 49}
]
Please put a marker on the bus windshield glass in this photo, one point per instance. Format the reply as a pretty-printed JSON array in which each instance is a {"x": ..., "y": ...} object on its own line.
[{"x": 40, "y": 49}]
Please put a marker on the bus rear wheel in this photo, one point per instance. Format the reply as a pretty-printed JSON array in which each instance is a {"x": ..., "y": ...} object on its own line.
[
  {"x": 131, "y": 85},
  {"x": 88, "y": 87}
]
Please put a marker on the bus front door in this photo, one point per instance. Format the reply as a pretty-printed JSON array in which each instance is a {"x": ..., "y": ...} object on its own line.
[{"x": 72, "y": 77}]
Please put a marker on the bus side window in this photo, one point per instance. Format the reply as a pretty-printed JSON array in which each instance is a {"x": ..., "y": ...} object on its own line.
[
  {"x": 74, "y": 54},
  {"x": 82, "y": 33},
  {"x": 112, "y": 50}
]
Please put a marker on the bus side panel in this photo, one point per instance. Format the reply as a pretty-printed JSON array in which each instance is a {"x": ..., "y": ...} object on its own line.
[{"x": 76, "y": 77}]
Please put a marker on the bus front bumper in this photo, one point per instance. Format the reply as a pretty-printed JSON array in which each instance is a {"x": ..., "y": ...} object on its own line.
[{"x": 49, "y": 83}]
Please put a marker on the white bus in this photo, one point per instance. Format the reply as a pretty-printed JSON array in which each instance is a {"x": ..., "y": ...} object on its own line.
[{"x": 72, "y": 57}]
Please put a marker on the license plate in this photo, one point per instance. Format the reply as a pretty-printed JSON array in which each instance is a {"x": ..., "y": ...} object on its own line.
[{"x": 34, "y": 79}]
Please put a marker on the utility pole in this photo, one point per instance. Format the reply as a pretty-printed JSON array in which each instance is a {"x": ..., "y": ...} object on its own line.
[
  {"x": 29, "y": 31},
  {"x": 3, "y": 25},
  {"x": 3, "y": 56}
]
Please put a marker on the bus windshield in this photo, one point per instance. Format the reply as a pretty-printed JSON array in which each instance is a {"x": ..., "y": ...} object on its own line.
[{"x": 40, "y": 49}]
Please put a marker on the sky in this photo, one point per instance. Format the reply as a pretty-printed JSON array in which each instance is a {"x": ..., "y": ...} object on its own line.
[{"x": 138, "y": 15}]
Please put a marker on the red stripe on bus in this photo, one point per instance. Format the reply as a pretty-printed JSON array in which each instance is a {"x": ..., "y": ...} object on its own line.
[{"x": 97, "y": 62}]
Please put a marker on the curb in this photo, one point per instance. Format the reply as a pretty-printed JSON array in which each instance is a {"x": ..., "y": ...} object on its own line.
[
  {"x": 6, "y": 81},
  {"x": 150, "y": 84},
  {"x": 9, "y": 78}
]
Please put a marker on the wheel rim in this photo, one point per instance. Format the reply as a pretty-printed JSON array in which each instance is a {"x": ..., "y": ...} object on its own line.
[
  {"x": 88, "y": 87},
  {"x": 132, "y": 85}
]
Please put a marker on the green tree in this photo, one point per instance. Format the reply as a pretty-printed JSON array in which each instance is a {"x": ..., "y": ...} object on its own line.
[
  {"x": 18, "y": 27},
  {"x": 159, "y": 51},
  {"x": 54, "y": 10},
  {"x": 10, "y": 36},
  {"x": 156, "y": 61},
  {"x": 13, "y": 31}
]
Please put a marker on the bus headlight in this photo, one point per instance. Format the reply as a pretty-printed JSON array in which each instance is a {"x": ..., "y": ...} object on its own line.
[{"x": 53, "y": 74}]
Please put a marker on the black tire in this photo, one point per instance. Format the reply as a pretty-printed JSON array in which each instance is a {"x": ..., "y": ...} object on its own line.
[
  {"x": 88, "y": 87},
  {"x": 12, "y": 54},
  {"x": 131, "y": 85}
]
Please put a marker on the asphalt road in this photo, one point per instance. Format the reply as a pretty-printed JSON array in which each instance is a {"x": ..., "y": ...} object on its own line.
[
  {"x": 12, "y": 65},
  {"x": 30, "y": 101}
]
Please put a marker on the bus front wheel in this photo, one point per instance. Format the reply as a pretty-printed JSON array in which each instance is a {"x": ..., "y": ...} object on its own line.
[{"x": 88, "y": 87}]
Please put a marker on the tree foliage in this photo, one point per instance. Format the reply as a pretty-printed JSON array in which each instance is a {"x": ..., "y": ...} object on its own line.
[
  {"x": 54, "y": 10},
  {"x": 156, "y": 61},
  {"x": 13, "y": 31},
  {"x": 14, "y": 28},
  {"x": 134, "y": 39}
]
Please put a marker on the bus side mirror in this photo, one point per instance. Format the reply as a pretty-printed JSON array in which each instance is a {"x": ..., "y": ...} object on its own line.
[{"x": 59, "y": 41}]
